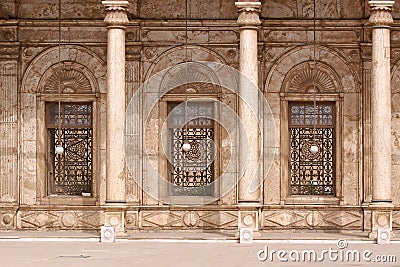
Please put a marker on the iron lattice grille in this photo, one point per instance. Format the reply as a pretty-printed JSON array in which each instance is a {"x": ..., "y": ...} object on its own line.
[
  {"x": 192, "y": 171},
  {"x": 312, "y": 174},
  {"x": 71, "y": 171}
]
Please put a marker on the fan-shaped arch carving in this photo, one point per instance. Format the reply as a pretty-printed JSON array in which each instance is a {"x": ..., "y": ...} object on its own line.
[
  {"x": 301, "y": 79},
  {"x": 72, "y": 81},
  {"x": 197, "y": 77},
  {"x": 180, "y": 54},
  {"x": 83, "y": 60}
]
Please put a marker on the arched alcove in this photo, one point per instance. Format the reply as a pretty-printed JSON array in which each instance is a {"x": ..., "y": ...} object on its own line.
[{"x": 82, "y": 60}]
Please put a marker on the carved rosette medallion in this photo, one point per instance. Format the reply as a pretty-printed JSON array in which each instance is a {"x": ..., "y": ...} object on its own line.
[{"x": 191, "y": 218}]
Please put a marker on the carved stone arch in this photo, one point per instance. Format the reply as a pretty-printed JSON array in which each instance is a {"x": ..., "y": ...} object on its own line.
[
  {"x": 301, "y": 79},
  {"x": 177, "y": 55},
  {"x": 193, "y": 77},
  {"x": 325, "y": 56},
  {"x": 75, "y": 78},
  {"x": 84, "y": 61}
]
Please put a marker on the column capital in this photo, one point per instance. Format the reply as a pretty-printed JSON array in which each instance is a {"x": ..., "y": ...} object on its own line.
[
  {"x": 116, "y": 13},
  {"x": 381, "y": 12},
  {"x": 249, "y": 13}
]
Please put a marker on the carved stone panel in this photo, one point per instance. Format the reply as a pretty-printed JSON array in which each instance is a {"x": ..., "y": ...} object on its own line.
[
  {"x": 133, "y": 143},
  {"x": 396, "y": 219},
  {"x": 131, "y": 220},
  {"x": 188, "y": 219},
  {"x": 68, "y": 220},
  {"x": 8, "y": 132},
  {"x": 312, "y": 219},
  {"x": 7, "y": 220}
]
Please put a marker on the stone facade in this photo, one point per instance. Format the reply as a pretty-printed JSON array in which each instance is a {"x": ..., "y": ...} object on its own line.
[{"x": 155, "y": 41}]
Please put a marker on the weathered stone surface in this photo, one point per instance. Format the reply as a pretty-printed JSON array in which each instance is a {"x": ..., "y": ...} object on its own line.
[{"x": 327, "y": 9}]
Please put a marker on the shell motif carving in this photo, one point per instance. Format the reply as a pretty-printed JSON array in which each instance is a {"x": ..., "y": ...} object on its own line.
[
  {"x": 301, "y": 79},
  {"x": 304, "y": 81},
  {"x": 72, "y": 81}
]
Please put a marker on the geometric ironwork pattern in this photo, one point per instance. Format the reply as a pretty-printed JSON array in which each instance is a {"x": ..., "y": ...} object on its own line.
[
  {"x": 71, "y": 171},
  {"x": 192, "y": 171},
  {"x": 312, "y": 173}
]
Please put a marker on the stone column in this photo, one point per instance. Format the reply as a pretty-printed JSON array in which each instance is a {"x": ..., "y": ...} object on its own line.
[
  {"x": 381, "y": 19},
  {"x": 116, "y": 20},
  {"x": 249, "y": 140}
]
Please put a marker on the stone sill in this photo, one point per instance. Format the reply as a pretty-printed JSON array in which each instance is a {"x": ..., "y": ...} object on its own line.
[
  {"x": 69, "y": 200},
  {"x": 311, "y": 200}
]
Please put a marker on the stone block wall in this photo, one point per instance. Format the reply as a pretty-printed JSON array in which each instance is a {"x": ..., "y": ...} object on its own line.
[{"x": 155, "y": 41}]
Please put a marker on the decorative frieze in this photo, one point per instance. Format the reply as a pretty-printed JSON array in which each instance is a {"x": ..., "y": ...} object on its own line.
[
  {"x": 312, "y": 219},
  {"x": 65, "y": 220},
  {"x": 188, "y": 219}
]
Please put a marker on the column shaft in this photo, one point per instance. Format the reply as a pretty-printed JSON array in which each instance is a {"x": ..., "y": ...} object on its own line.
[
  {"x": 116, "y": 19},
  {"x": 249, "y": 143},
  {"x": 381, "y": 19},
  {"x": 381, "y": 115}
]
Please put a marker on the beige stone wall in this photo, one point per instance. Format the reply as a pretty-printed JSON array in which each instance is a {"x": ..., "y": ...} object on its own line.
[{"x": 155, "y": 38}]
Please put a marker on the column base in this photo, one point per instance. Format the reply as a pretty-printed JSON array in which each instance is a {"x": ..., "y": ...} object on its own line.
[
  {"x": 381, "y": 218},
  {"x": 248, "y": 217},
  {"x": 115, "y": 216}
]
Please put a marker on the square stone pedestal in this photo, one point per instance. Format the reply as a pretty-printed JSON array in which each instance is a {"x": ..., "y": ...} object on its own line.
[
  {"x": 381, "y": 218},
  {"x": 248, "y": 217},
  {"x": 115, "y": 216}
]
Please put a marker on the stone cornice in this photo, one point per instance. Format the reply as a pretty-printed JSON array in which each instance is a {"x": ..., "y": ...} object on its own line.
[
  {"x": 381, "y": 13},
  {"x": 249, "y": 13},
  {"x": 116, "y": 13}
]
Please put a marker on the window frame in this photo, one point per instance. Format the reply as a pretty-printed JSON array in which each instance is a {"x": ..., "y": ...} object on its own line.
[
  {"x": 49, "y": 126},
  {"x": 170, "y": 106},
  {"x": 286, "y": 197},
  {"x": 318, "y": 126},
  {"x": 163, "y": 165},
  {"x": 43, "y": 191}
]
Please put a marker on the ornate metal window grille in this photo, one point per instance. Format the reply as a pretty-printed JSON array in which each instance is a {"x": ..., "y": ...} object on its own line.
[
  {"x": 312, "y": 174},
  {"x": 192, "y": 172},
  {"x": 71, "y": 172}
]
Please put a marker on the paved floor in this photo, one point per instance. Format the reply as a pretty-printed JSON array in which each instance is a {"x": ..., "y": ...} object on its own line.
[
  {"x": 194, "y": 249},
  {"x": 193, "y": 253}
]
